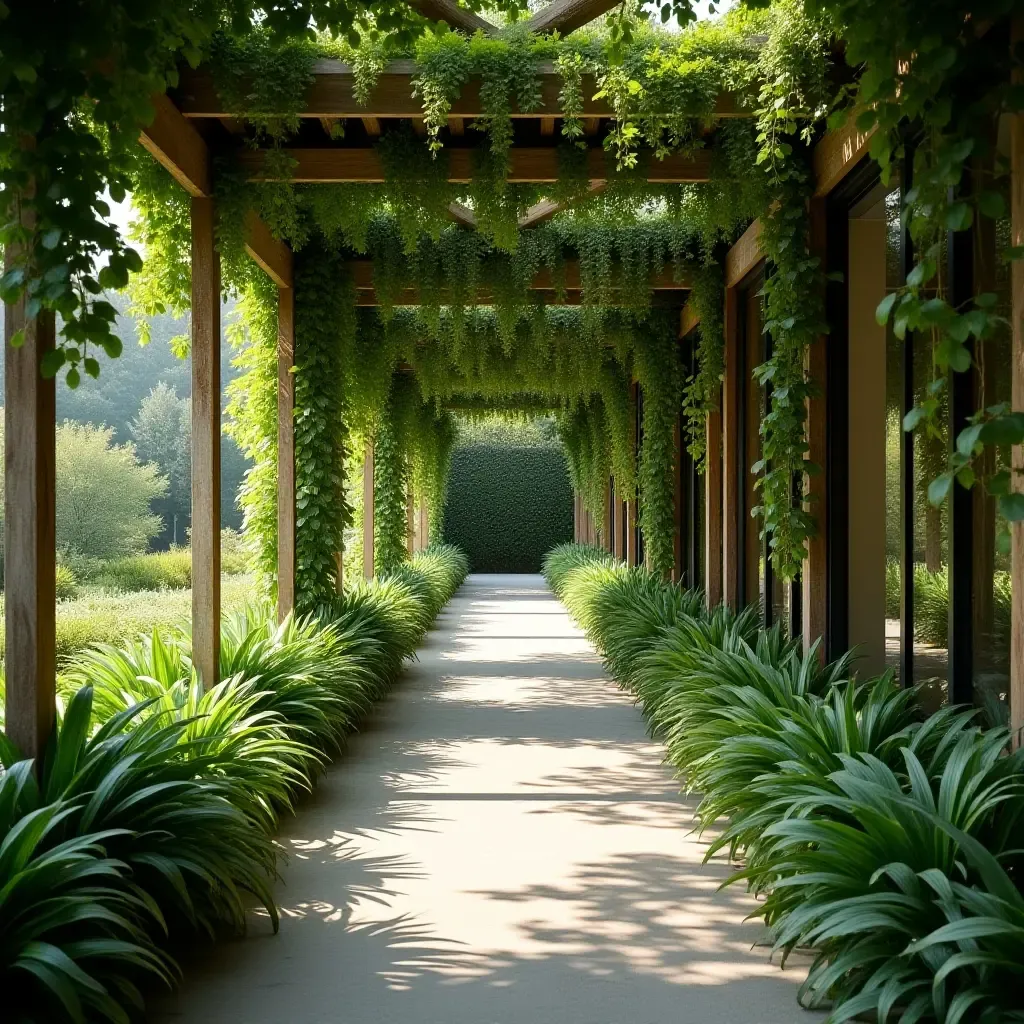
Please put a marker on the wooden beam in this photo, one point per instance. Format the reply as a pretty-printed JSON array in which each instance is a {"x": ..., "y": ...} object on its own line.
[
  {"x": 205, "y": 442},
  {"x": 565, "y": 15},
  {"x": 361, "y": 274},
  {"x": 269, "y": 253},
  {"x": 741, "y": 259},
  {"x": 457, "y": 126},
  {"x": 463, "y": 214},
  {"x": 350, "y": 164},
  {"x": 285, "y": 452},
  {"x": 1017, "y": 400},
  {"x": 178, "y": 147},
  {"x": 452, "y": 14},
  {"x": 732, "y": 395},
  {"x": 30, "y": 549},
  {"x": 368, "y": 512},
  {"x": 814, "y": 573},
  {"x": 372, "y": 126},
  {"x": 332, "y": 94},
  {"x": 688, "y": 319},
  {"x": 547, "y": 208},
  {"x": 837, "y": 153},
  {"x": 547, "y": 126}
]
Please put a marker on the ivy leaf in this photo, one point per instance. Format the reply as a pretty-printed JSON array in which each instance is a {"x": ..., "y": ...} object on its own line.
[
  {"x": 913, "y": 418},
  {"x": 991, "y": 204},
  {"x": 1011, "y": 506},
  {"x": 885, "y": 308},
  {"x": 959, "y": 217},
  {"x": 939, "y": 488}
]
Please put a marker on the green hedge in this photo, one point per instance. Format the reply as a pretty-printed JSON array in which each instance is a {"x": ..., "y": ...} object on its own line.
[{"x": 508, "y": 502}]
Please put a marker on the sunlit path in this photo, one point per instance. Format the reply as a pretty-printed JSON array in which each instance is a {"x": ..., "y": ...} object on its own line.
[{"x": 501, "y": 845}]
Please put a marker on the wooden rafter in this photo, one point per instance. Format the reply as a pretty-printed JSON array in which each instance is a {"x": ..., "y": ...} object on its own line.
[
  {"x": 452, "y": 14},
  {"x": 547, "y": 208},
  {"x": 540, "y": 165},
  {"x": 565, "y": 15},
  {"x": 332, "y": 94},
  {"x": 179, "y": 148}
]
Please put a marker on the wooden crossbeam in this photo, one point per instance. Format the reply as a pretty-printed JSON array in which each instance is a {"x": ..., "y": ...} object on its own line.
[
  {"x": 178, "y": 147},
  {"x": 547, "y": 208},
  {"x": 543, "y": 286},
  {"x": 326, "y": 165},
  {"x": 452, "y": 14},
  {"x": 332, "y": 94},
  {"x": 565, "y": 15}
]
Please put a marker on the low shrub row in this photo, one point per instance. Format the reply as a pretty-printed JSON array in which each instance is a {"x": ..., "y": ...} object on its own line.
[
  {"x": 889, "y": 844},
  {"x": 153, "y": 813}
]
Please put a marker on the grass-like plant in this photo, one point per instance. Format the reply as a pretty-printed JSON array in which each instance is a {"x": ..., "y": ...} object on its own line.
[
  {"x": 151, "y": 818},
  {"x": 889, "y": 843}
]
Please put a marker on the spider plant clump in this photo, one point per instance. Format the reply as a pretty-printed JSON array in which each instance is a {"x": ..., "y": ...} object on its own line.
[
  {"x": 887, "y": 842},
  {"x": 150, "y": 822}
]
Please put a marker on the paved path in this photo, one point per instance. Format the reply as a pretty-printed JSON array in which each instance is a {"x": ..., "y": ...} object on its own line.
[{"x": 502, "y": 845}]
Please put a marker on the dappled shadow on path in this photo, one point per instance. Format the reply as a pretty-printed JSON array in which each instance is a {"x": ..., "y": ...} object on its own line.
[{"x": 500, "y": 845}]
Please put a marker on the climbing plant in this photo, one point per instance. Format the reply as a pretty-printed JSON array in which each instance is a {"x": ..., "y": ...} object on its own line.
[{"x": 324, "y": 329}]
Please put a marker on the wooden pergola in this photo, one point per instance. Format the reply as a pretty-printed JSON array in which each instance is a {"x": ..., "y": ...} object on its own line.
[{"x": 191, "y": 126}]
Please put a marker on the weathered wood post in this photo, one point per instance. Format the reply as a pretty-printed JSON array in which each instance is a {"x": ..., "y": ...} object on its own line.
[
  {"x": 285, "y": 452},
  {"x": 30, "y": 550},
  {"x": 205, "y": 442},
  {"x": 368, "y": 531}
]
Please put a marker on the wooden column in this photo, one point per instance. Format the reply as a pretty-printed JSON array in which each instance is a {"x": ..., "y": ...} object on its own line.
[
  {"x": 205, "y": 443},
  {"x": 1017, "y": 401},
  {"x": 424, "y": 526},
  {"x": 286, "y": 452},
  {"x": 713, "y": 509},
  {"x": 620, "y": 519},
  {"x": 606, "y": 527},
  {"x": 30, "y": 553},
  {"x": 410, "y": 523},
  {"x": 368, "y": 531},
  {"x": 814, "y": 577},
  {"x": 631, "y": 516},
  {"x": 731, "y": 397},
  {"x": 677, "y": 503}
]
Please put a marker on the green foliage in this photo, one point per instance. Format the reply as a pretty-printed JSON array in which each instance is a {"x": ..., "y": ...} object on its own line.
[
  {"x": 509, "y": 498},
  {"x": 150, "y": 823},
  {"x": 702, "y": 393},
  {"x": 103, "y": 494},
  {"x": 390, "y": 495},
  {"x": 67, "y": 583},
  {"x": 886, "y": 844},
  {"x": 324, "y": 324}
]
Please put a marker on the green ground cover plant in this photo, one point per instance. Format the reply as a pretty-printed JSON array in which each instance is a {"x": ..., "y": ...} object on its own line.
[
  {"x": 887, "y": 843},
  {"x": 150, "y": 822}
]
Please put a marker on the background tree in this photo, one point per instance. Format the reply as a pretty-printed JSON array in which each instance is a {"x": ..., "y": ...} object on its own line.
[{"x": 162, "y": 432}]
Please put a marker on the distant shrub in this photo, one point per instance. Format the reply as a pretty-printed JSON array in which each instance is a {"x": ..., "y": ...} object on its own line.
[
  {"x": 67, "y": 584},
  {"x": 509, "y": 498},
  {"x": 160, "y": 570}
]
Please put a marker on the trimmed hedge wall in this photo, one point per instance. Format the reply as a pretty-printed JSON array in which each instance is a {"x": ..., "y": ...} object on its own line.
[{"x": 508, "y": 502}]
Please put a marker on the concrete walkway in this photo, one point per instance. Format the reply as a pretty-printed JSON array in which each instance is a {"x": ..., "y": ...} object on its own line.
[{"x": 502, "y": 845}]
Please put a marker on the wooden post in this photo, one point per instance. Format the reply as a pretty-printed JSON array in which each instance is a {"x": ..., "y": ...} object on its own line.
[
  {"x": 286, "y": 452},
  {"x": 368, "y": 532},
  {"x": 620, "y": 522},
  {"x": 631, "y": 515},
  {"x": 606, "y": 527},
  {"x": 731, "y": 397},
  {"x": 677, "y": 503},
  {"x": 814, "y": 578},
  {"x": 30, "y": 551},
  {"x": 205, "y": 443},
  {"x": 424, "y": 526},
  {"x": 410, "y": 523},
  {"x": 1017, "y": 401},
  {"x": 713, "y": 508}
]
